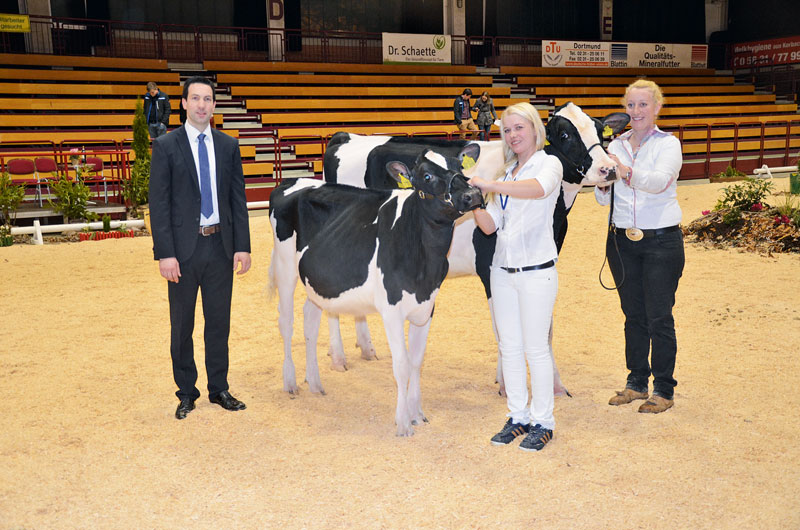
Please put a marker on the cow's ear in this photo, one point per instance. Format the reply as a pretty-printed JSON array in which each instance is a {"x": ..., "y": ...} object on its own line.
[
  {"x": 469, "y": 155},
  {"x": 616, "y": 122},
  {"x": 399, "y": 172}
]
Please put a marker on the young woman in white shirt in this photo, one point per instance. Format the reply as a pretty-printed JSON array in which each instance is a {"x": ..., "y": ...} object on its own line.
[
  {"x": 645, "y": 247},
  {"x": 523, "y": 276}
]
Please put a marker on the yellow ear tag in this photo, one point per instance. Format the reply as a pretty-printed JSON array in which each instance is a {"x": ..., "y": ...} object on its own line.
[
  {"x": 467, "y": 162},
  {"x": 404, "y": 182},
  {"x": 546, "y": 141},
  {"x": 607, "y": 131}
]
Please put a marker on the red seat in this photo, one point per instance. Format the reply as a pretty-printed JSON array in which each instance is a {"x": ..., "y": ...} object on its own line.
[
  {"x": 96, "y": 166},
  {"x": 23, "y": 171},
  {"x": 45, "y": 164}
]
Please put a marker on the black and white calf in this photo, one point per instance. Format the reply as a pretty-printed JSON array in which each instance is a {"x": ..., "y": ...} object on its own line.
[
  {"x": 359, "y": 251},
  {"x": 573, "y": 136}
]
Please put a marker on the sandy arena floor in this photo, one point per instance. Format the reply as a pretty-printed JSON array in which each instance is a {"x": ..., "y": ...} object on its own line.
[{"x": 89, "y": 439}]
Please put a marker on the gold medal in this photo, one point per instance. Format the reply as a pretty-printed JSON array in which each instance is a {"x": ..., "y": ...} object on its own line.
[{"x": 634, "y": 234}]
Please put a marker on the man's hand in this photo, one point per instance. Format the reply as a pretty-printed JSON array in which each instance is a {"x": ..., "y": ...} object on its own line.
[
  {"x": 244, "y": 259},
  {"x": 170, "y": 269}
]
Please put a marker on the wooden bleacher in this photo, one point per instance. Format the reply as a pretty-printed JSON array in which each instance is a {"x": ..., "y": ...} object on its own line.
[
  {"x": 361, "y": 91},
  {"x": 260, "y": 66},
  {"x": 284, "y": 112},
  {"x": 719, "y": 122},
  {"x": 68, "y": 89},
  {"x": 352, "y": 79}
]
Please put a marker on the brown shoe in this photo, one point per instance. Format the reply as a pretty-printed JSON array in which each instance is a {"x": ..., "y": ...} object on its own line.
[
  {"x": 656, "y": 404},
  {"x": 626, "y": 396}
]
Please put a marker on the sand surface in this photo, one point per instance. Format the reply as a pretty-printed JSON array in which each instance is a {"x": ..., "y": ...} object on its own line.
[{"x": 89, "y": 439}]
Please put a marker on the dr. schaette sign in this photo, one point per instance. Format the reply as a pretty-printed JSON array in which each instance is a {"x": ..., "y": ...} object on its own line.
[{"x": 767, "y": 52}]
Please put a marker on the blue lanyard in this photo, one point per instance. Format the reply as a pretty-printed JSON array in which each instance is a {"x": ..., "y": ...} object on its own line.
[{"x": 504, "y": 203}]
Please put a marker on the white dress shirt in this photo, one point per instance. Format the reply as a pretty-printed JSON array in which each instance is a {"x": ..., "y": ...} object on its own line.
[
  {"x": 650, "y": 201},
  {"x": 193, "y": 134},
  {"x": 525, "y": 226}
]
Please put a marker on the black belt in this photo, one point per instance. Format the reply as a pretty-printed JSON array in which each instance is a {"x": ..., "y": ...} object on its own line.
[
  {"x": 650, "y": 232},
  {"x": 546, "y": 265},
  {"x": 208, "y": 230}
]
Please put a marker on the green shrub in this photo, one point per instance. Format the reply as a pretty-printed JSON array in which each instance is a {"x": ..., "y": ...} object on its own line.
[
  {"x": 11, "y": 195},
  {"x": 730, "y": 172},
  {"x": 788, "y": 206},
  {"x": 732, "y": 216},
  {"x": 745, "y": 194},
  {"x": 72, "y": 199},
  {"x": 136, "y": 189}
]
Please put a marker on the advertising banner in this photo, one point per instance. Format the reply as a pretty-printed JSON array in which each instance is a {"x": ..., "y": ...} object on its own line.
[
  {"x": 15, "y": 23},
  {"x": 414, "y": 48},
  {"x": 623, "y": 54},
  {"x": 767, "y": 52}
]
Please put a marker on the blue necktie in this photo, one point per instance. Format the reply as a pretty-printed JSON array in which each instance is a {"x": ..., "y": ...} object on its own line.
[{"x": 206, "y": 201}]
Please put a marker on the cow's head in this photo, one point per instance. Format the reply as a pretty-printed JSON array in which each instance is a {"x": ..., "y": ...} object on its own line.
[
  {"x": 437, "y": 177},
  {"x": 576, "y": 139}
]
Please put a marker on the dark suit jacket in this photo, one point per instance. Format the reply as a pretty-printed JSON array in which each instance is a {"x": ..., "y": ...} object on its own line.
[{"x": 175, "y": 196}]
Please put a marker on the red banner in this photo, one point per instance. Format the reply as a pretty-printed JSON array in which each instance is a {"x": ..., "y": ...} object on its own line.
[{"x": 767, "y": 52}]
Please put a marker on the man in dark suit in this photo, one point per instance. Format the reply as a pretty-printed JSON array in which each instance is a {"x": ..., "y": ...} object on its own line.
[{"x": 201, "y": 234}]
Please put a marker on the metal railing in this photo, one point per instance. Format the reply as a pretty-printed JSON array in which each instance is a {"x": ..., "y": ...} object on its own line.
[{"x": 186, "y": 43}]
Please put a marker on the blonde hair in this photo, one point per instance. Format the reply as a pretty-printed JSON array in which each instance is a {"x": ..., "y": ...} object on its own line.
[
  {"x": 655, "y": 91},
  {"x": 527, "y": 111}
]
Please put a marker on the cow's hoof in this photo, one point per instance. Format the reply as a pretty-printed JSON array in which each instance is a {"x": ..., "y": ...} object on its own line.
[
  {"x": 405, "y": 432},
  {"x": 369, "y": 355},
  {"x": 419, "y": 420},
  {"x": 339, "y": 367},
  {"x": 502, "y": 391},
  {"x": 319, "y": 390},
  {"x": 292, "y": 391},
  {"x": 561, "y": 392}
]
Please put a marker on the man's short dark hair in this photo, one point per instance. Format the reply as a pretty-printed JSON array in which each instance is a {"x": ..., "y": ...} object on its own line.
[
  {"x": 197, "y": 79},
  {"x": 467, "y": 91}
]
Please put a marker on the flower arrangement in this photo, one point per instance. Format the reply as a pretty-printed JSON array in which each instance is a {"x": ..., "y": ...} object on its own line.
[{"x": 742, "y": 218}]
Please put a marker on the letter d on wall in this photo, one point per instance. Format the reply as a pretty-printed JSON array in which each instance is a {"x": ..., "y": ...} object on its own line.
[{"x": 276, "y": 9}]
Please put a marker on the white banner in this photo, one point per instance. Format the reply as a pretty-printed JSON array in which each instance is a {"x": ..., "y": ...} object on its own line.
[
  {"x": 414, "y": 48},
  {"x": 561, "y": 53}
]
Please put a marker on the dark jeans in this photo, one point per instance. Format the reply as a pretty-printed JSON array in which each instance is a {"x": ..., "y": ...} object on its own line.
[
  {"x": 485, "y": 131},
  {"x": 646, "y": 287}
]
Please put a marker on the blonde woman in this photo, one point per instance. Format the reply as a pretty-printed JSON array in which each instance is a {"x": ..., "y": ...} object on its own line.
[
  {"x": 645, "y": 248},
  {"x": 486, "y": 115},
  {"x": 523, "y": 275}
]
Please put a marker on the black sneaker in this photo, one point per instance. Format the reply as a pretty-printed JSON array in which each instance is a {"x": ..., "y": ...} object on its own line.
[
  {"x": 537, "y": 438},
  {"x": 510, "y": 431}
]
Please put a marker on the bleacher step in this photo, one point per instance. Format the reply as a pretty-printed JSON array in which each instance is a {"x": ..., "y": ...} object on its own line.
[
  {"x": 180, "y": 67},
  {"x": 270, "y": 157},
  {"x": 241, "y": 125}
]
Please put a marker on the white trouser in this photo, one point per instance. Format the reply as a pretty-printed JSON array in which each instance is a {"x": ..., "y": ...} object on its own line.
[{"x": 523, "y": 310}]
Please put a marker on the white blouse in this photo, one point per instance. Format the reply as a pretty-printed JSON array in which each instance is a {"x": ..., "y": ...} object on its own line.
[
  {"x": 650, "y": 201},
  {"x": 525, "y": 226}
]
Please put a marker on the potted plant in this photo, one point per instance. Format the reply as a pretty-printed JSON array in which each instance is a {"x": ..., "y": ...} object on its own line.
[
  {"x": 794, "y": 181},
  {"x": 730, "y": 174},
  {"x": 72, "y": 199},
  {"x": 11, "y": 195}
]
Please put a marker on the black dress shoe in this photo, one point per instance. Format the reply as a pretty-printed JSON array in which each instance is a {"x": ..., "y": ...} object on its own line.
[
  {"x": 185, "y": 407},
  {"x": 225, "y": 400}
]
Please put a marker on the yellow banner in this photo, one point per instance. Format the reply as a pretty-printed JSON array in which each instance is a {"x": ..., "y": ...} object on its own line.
[{"x": 15, "y": 23}]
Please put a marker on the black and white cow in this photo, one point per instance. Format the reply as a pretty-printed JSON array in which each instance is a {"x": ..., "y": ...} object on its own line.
[
  {"x": 573, "y": 136},
  {"x": 359, "y": 251}
]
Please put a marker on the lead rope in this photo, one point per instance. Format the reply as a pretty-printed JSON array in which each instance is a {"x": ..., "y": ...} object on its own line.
[{"x": 616, "y": 246}]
